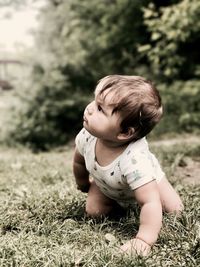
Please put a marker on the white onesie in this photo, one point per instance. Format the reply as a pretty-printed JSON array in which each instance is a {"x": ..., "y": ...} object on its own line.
[{"x": 135, "y": 167}]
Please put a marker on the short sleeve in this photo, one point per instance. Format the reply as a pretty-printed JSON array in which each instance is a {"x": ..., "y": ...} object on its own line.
[
  {"x": 159, "y": 172},
  {"x": 81, "y": 140},
  {"x": 138, "y": 169}
]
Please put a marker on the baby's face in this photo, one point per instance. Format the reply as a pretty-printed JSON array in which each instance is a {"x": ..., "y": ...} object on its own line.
[{"x": 99, "y": 118}]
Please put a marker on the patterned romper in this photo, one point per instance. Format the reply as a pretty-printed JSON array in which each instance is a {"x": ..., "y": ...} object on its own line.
[{"x": 135, "y": 167}]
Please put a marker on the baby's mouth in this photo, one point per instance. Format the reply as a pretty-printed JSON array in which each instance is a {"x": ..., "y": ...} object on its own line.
[{"x": 85, "y": 119}]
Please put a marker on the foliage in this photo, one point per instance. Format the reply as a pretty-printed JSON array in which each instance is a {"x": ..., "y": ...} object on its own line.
[
  {"x": 76, "y": 44},
  {"x": 94, "y": 36},
  {"x": 181, "y": 102},
  {"x": 175, "y": 34},
  {"x": 48, "y": 116}
]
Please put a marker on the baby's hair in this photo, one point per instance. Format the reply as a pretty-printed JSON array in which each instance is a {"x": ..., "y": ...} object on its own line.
[{"x": 136, "y": 99}]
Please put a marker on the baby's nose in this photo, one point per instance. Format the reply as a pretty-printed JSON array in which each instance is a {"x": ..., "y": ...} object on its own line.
[{"x": 90, "y": 109}]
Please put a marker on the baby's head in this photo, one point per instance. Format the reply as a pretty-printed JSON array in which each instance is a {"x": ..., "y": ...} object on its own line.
[{"x": 136, "y": 100}]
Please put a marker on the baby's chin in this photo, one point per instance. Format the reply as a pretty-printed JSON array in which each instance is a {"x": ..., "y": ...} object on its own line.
[{"x": 87, "y": 128}]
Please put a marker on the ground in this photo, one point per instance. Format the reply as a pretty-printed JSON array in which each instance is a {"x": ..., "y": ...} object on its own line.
[{"x": 188, "y": 169}]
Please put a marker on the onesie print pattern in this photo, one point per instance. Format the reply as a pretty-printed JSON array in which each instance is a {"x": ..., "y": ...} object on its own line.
[{"x": 135, "y": 167}]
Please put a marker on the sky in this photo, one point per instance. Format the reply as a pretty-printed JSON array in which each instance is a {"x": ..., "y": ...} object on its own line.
[{"x": 15, "y": 31}]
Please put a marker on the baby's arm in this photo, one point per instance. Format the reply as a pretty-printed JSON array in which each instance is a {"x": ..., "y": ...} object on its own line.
[
  {"x": 80, "y": 172},
  {"x": 150, "y": 219}
]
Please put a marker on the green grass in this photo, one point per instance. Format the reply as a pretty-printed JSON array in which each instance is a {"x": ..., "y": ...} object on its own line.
[{"x": 43, "y": 223}]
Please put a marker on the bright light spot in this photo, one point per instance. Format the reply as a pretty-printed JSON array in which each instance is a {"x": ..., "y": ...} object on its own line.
[{"x": 16, "y": 30}]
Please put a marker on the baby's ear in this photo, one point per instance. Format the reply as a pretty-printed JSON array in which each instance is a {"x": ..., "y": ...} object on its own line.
[{"x": 126, "y": 135}]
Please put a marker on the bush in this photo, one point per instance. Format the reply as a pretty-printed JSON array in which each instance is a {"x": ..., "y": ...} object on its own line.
[
  {"x": 173, "y": 49},
  {"x": 74, "y": 51},
  {"x": 181, "y": 102},
  {"x": 48, "y": 117}
]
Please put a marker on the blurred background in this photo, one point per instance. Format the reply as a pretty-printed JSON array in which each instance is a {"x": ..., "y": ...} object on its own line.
[{"x": 53, "y": 52}]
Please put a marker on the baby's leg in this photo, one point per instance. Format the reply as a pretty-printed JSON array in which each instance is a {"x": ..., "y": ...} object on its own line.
[
  {"x": 97, "y": 203},
  {"x": 171, "y": 201}
]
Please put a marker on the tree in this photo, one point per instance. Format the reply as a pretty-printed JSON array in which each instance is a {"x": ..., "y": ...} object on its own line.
[
  {"x": 175, "y": 35},
  {"x": 77, "y": 43},
  {"x": 89, "y": 32}
]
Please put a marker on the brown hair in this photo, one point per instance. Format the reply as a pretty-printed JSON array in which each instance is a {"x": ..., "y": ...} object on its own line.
[{"x": 137, "y": 100}]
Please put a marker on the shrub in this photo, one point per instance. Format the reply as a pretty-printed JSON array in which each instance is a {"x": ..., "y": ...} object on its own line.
[
  {"x": 181, "y": 107},
  {"x": 48, "y": 117}
]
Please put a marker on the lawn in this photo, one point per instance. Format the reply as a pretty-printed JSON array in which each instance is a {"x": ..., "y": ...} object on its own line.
[
  {"x": 42, "y": 219},
  {"x": 43, "y": 222}
]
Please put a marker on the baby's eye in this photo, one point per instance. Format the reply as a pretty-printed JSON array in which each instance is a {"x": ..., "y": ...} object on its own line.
[{"x": 99, "y": 108}]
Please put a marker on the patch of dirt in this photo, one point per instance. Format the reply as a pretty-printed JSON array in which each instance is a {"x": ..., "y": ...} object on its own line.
[
  {"x": 189, "y": 171},
  {"x": 184, "y": 139}
]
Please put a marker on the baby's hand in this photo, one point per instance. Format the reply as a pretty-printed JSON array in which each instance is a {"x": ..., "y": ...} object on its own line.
[
  {"x": 136, "y": 246},
  {"x": 83, "y": 187}
]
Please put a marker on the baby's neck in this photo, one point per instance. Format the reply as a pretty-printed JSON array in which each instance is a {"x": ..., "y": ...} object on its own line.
[
  {"x": 111, "y": 144},
  {"x": 106, "y": 152}
]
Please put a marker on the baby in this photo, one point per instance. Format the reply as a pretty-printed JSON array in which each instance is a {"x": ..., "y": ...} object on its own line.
[{"x": 112, "y": 149}]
